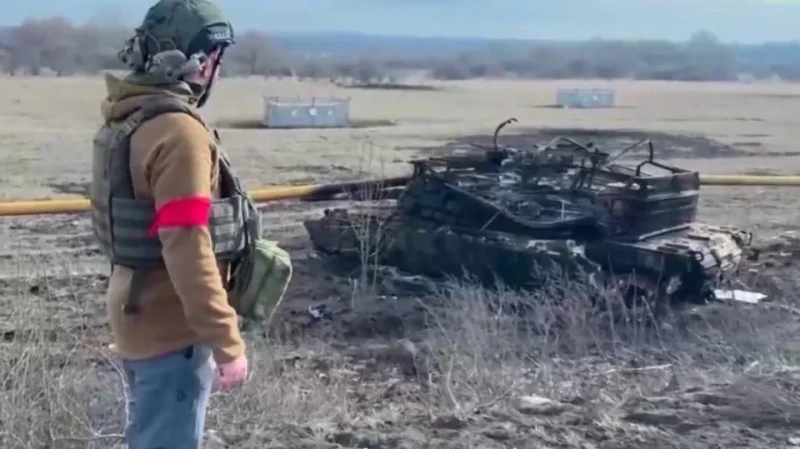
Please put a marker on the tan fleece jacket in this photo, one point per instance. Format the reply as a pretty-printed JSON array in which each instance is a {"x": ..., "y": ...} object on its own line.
[{"x": 186, "y": 303}]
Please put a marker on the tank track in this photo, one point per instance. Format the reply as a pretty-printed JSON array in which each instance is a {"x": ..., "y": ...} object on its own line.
[{"x": 687, "y": 263}]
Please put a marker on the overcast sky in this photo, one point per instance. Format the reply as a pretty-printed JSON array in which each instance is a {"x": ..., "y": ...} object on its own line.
[{"x": 731, "y": 20}]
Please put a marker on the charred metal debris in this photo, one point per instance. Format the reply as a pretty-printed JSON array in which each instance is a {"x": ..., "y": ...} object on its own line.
[{"x": 519, "y": 216}]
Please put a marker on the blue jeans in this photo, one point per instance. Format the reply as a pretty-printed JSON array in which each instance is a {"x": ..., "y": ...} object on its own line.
[{"x": 167, "y": 399}]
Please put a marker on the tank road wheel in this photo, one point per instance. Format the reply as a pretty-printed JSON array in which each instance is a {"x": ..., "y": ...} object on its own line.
[{"x": 636, "y": 291}]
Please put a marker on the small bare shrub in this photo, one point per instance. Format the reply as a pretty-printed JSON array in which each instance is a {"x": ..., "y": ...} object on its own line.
[
  {"x": 481, "y": 352},
  {"x": 369, "y": 226},
  {"x": 59, "y": 388}
]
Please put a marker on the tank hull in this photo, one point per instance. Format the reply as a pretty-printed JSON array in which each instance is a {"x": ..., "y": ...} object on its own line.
[
  {"x": 693, "y": 260},
  {"x": 520, "y": 216}
]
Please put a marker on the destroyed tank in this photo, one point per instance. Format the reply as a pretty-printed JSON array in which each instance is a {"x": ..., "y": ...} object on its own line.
[{"x": 517, "y": 216}]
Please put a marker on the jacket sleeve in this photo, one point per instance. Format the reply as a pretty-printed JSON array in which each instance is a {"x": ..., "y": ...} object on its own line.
[{"x": 179, "y": 174}]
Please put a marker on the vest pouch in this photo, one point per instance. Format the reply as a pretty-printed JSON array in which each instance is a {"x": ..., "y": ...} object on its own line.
[{"x": 258, "y": 283}]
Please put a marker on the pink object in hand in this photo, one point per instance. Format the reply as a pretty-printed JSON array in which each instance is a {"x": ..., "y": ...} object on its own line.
[{"x": 230, "y": 375}]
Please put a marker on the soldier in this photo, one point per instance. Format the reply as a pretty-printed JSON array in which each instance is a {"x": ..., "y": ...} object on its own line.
[{"x": 157, "y": 172}]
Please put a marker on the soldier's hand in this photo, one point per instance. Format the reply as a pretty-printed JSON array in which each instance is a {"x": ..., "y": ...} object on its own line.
[{"x": 230, "y": 375}]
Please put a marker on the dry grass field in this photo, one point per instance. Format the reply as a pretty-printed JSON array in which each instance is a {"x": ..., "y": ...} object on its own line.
[{"x": 442, "y": 372}]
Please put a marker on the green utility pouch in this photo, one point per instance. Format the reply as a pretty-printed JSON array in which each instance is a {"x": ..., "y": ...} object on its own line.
[{"x": 259, "y": 281}]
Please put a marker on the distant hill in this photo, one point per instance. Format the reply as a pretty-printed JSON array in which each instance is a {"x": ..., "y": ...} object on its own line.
[
  {"x": 358, "y": 44},
  {"x": 5, "y": 36}
]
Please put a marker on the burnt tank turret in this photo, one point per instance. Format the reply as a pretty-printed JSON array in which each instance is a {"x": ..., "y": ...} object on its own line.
[{"x": 515, "y": 216}]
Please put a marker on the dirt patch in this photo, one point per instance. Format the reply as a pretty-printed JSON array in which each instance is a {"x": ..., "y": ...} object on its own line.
[
  {"x": 391, "y": 86},
  {"x": 556, "y": 106},
  {"x": 70, "y": 188},
  {"x": 254, "y": 124},
  {"x": 723, "y": 119},
  {"x": 749, "y": 144},
  {"x": 338, "y": 171},
  {"x": 778, "y": 96}
]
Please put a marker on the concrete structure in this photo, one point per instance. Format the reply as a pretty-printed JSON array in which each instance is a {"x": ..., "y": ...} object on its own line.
[
  {"x": 306, "y": 112},
  {"x": 586, "y": 98}
]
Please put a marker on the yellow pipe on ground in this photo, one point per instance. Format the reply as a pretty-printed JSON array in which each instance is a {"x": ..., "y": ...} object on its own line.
[
  {"x": 38, "y": 207},
  {"x": 74, "y": 206},
  {"x": 265, "y": 195},
  {"x": 269, "y": 194},
  {"x": 750, "y": 180}
]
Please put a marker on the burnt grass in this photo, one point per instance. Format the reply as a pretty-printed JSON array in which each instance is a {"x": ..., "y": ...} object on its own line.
[{"x": 666, "y": 145}]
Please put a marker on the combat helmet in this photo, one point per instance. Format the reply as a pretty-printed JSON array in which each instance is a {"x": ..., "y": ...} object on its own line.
[{"x": 174, "y": 40}]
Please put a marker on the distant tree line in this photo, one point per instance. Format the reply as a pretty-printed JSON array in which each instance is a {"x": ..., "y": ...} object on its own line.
[
  {"x": 57, "y": 46},
  {"x": 701, "y": 58}
]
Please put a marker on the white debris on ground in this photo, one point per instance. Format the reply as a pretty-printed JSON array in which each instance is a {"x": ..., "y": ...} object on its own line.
[{"x": 740, "y": 296}]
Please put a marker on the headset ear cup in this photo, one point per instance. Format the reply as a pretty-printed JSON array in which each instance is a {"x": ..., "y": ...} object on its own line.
[
  {"x": 126, "y": 54},
  {"x": 131, "y": 54}
]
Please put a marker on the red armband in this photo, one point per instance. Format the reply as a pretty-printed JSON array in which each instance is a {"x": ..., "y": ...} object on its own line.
[{"x": 182, "y": 213}]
